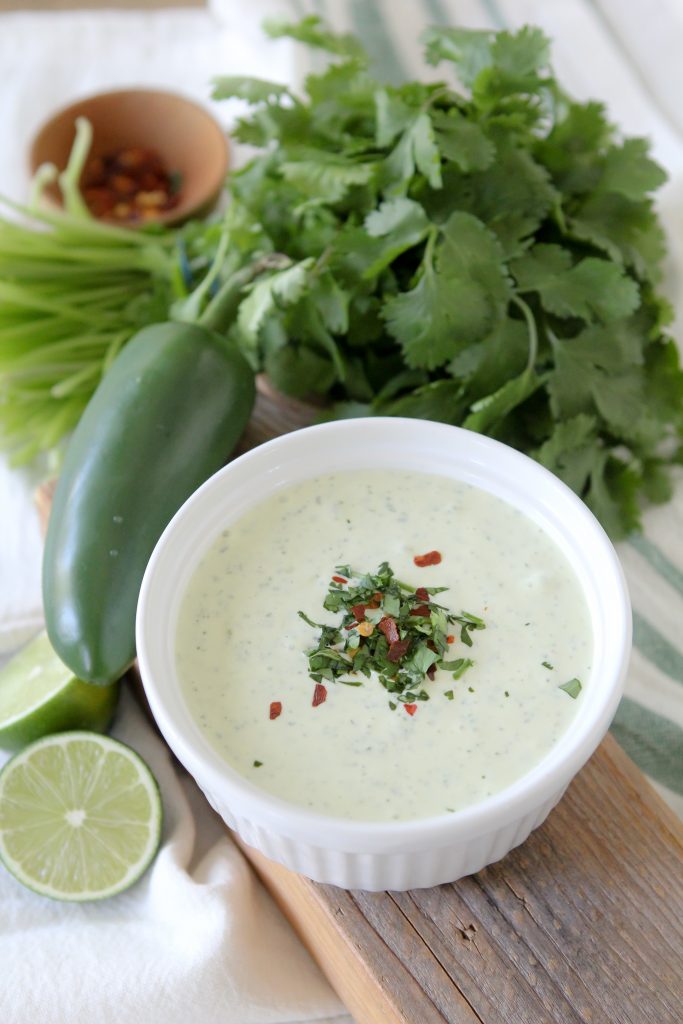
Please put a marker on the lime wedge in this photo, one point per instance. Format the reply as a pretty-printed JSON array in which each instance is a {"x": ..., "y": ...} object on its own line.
[
  {"x": 80, "y": 816},
  {"x": 40, "y": 695}
]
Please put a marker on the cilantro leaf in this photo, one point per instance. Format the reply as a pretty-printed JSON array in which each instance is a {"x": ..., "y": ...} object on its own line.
[
  {"x": 437, "y": 317},
  {"x": 311, "y": 31},
  {"x": 463, "y": 142},
  {"x": 572, "y": 149},
  {"x": 299, "y": 371},
  {"x": 459, "y": 296},
  {"x": 592, "y": 288},
  {"x": 500, "y": 356},
  {"x": 487, "y": 411},
  {"x": 331, "y": 302},
  {"x": 573, "y": 688},
  {"x": 416, "y": 150},
  {"x": 469, "y": 51},
  {"x": 253, "y": 90},
  {"x": 393, "y": 116},
  {"x": 402, "y": 224},
  {"x": 326, "y": 178},
  {"x": 629, "y": 170},
  {"x": 282, "y": 287},
  {"x": 521, "y": 53},
  {"x": 570, "y": 450},
  {"x": 627, "y": 231}
]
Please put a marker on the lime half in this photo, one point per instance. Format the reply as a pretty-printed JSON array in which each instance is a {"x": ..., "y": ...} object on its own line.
[
  {"x": 80, "y": 816},
  {"x": 40, "y": 695}
]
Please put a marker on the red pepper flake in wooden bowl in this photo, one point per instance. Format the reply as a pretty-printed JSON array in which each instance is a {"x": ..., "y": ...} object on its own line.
[
  {"x": 129, "y": 185},
  {"x": 430, "y": 558}
]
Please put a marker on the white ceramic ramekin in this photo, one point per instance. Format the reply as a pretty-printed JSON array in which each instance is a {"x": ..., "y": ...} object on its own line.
[{"x": 404, "y": 854}]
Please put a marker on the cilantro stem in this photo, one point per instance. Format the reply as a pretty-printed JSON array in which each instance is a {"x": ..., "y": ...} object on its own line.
[
  {"x": 69, "y": 179},
  {"x": 531, "y": 328}
]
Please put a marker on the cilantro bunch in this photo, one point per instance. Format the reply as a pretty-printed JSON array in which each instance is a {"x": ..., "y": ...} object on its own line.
[{"x": 486, "y": 255}]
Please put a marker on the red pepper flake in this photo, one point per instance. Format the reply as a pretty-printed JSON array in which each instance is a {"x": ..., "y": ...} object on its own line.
[
  {"x": 340, "y": 579},
  {"x": 275, "y": 709},
  {"x": 450, "y": 638},
  {"x": 388, "y": 626},
  {"x": 129, "y": 184},
  {"x": 410, "y": 708},
  {"x": 422, "y": 594},
  {"x": 319, "y": 694},
  {"x": 422, "y": 610},
  {"x": 398, "y": 649},
  {"x": 430, "y": 558}
]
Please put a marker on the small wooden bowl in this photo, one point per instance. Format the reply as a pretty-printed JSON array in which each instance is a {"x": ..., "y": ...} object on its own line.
[{"x": 190, "y": 143}]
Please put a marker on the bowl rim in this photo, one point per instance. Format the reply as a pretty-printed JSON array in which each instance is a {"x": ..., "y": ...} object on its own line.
[{"x": 549, "y": 776}]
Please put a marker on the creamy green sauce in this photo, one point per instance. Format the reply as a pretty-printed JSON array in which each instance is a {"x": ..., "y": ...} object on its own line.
[{"x": 241, "y": 645}]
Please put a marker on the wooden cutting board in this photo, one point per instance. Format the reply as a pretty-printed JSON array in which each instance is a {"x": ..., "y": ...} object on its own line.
[{"x": 582, "y": 924}]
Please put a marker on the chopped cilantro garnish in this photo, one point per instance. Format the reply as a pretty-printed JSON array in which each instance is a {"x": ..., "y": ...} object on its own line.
[
  {"x": 459, "y": 666},
  {"x": 389, "y": 628},
  {"x": 448, "y": 694},
  {"x": 573, "y": 688},
  {"x": 258, "y": 764},
  {"x": 546, "y": 664}
]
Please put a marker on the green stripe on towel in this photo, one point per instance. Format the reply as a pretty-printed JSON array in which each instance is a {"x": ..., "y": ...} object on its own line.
[
  {"x": 437, "y": 14},
  {"x": 657, "y": 649},
  {"x": 659, "y": 561},
  {"x": 653, "y": 742},
  {"x": 494, "y": 14},
  {"x": 371, "y": 29}
]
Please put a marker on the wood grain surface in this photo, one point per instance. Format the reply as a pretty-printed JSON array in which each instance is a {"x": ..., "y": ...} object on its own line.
[{"x": 582, "y": 924}]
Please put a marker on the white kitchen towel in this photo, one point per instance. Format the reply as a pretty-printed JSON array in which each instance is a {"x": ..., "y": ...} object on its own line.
[{"x": 197, "y": 939}]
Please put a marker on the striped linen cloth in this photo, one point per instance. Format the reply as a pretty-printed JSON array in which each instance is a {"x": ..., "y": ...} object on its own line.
[
  {"x": 197, "y": 938},
  {"x": 615, "y": 51}
]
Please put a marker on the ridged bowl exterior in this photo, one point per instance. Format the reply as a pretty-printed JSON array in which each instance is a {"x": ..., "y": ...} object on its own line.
[
  {"x": 411, "y": 869},
  {"x": 394, "y": 855}
]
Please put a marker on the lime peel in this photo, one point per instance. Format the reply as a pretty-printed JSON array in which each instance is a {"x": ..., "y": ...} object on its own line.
[{"x": 40, "y": 695}]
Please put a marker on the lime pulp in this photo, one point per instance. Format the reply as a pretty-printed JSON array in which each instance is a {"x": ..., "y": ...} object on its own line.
[{"x": 80, "y": 816}]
